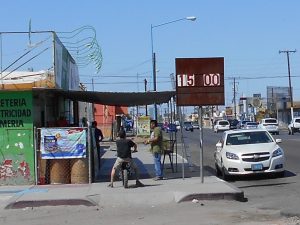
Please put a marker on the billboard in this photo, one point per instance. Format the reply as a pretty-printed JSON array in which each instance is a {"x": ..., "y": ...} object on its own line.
[
  {"x": 66, "y": 70},
  {"x": 200, "y": 81}
]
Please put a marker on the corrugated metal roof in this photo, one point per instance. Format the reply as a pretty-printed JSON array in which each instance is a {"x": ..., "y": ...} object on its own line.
[{"x": 111, "y": 98}]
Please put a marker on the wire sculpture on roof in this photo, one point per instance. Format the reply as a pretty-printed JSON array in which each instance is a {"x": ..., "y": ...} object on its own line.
[{"x": 83, "y": 46}]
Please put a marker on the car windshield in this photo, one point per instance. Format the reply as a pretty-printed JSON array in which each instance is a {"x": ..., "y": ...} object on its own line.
[
  {"x": 244, "y": 138},
  {"x": 223, "y": 122},
  {"x": 245, "y": 121},
  {"x": 234, "y": 122},
  {"x": 251, "y": 124},
  {"x": 270, "y": 121}
]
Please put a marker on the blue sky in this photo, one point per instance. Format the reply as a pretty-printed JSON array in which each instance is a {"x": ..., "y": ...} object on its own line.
[{"x": 248, "y": 34}]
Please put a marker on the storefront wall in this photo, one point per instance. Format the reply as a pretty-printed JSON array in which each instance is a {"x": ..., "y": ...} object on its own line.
[{"x": 16, "y": 138}]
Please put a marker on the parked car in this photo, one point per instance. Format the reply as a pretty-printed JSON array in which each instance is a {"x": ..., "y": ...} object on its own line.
[
  {"x": 221, "y": 125},
  {"x": 171, "y": 128},
  {"x": 294, "y": 125},
  {"x": 188, "y": 126},
  {"x": 250, "y": 125},
  {"x": 233, "y": 123},
  {"x": 177, "y": 123},
  {"x": 195, "y": 125},
  {"x": 270, "y": 124},
  {"x": 242, "y": 152},
  {"x": 242, "y": 123}
]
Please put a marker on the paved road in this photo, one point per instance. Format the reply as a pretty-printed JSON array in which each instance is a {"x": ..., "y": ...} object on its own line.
[
  {"x": 270, "y": 201},
  {"x": 263, "y": 192}
]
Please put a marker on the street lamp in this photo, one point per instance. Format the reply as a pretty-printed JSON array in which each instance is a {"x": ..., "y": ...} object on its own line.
[{"x": 191, "y": 18}]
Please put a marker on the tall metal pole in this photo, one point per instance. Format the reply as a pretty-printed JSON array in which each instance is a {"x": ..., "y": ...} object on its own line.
[
  {"x": 191, "y": 18},
  {"x": 234, "y": 97},
  {"x": 290, "y": 82},
  {"x": 153, "y": 71},
  {"x": 93, "y": 88},
  {"x": 201, "y": 143},
  {"x": 145, "y": 82}
]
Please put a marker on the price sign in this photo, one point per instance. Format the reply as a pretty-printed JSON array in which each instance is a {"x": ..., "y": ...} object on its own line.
[
  {"x": 212, "y": 79},
  {"x": 200, "y": 81},
  {"x": 185, "y": 80}
]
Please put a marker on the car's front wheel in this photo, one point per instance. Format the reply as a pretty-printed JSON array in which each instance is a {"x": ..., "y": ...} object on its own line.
[
  {"x": 225, "y": 176},
  {"x": 279, "y": 174}
]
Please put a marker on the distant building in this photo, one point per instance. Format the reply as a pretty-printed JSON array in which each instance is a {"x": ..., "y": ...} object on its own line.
[{"x": 105, "y": 116}]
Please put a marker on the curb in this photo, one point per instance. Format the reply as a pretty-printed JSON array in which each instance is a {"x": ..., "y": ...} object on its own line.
[
  {"x": 179, "y": 197},
  {"x": 54, "y": 202}
]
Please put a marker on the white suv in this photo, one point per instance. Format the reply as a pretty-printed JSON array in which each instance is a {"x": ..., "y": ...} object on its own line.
[
  {"x": 294, "y": 125},
  {"x": 270, "y": 124},
  {"x": 221, "y": 125}
]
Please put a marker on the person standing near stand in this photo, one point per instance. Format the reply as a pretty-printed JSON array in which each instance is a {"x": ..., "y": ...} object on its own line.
[
  {"x": 156, "y": 142},
  {"x": 98, "y": 138}
]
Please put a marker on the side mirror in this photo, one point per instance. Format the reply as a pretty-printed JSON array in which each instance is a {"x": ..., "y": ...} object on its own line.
[{"x": 278, "y": 140}]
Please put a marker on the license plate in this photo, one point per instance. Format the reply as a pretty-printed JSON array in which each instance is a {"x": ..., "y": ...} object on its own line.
[{"x": 255, "y": 167}]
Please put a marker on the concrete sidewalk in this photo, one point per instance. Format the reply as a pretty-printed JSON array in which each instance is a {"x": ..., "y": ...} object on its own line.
[{"x": 175, "y": 187}]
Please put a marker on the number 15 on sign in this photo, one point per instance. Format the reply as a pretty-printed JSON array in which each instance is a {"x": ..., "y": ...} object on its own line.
[{"x": 185, "y": 80}]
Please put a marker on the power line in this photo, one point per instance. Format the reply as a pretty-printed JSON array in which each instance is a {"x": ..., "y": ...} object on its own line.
[{"x": 26, "y": 62}]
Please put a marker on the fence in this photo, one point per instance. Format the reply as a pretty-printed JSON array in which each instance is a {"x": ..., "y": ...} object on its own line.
[{"x": 64, "y": 155}]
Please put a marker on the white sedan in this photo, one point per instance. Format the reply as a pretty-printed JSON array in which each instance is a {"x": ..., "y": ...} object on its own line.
[{"x": 242, "y": 152}]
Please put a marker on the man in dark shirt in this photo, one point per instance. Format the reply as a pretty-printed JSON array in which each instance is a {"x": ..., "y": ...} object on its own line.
[
  {"x": 98, "y": 135},
  {"x": 124, "y": 155}
]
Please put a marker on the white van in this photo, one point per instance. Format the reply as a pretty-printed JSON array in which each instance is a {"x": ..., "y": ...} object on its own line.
[{"x": 270, "y": 124}]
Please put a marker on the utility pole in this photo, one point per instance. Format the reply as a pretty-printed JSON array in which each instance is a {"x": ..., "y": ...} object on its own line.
[
  {"x": 145, "y": 82},
  {"x": 290, "y": 82},
  {"x": 137, "y": 82},
  {"x": 234, "y": 97}
]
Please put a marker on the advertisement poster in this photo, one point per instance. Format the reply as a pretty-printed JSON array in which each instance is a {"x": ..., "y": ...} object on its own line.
[
  {"x": 143, "y": 126},
  {"x": 58, "y": 143}
]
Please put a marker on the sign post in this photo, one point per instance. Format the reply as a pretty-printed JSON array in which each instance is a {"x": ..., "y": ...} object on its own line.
[{"x": 199, "y": 82}]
